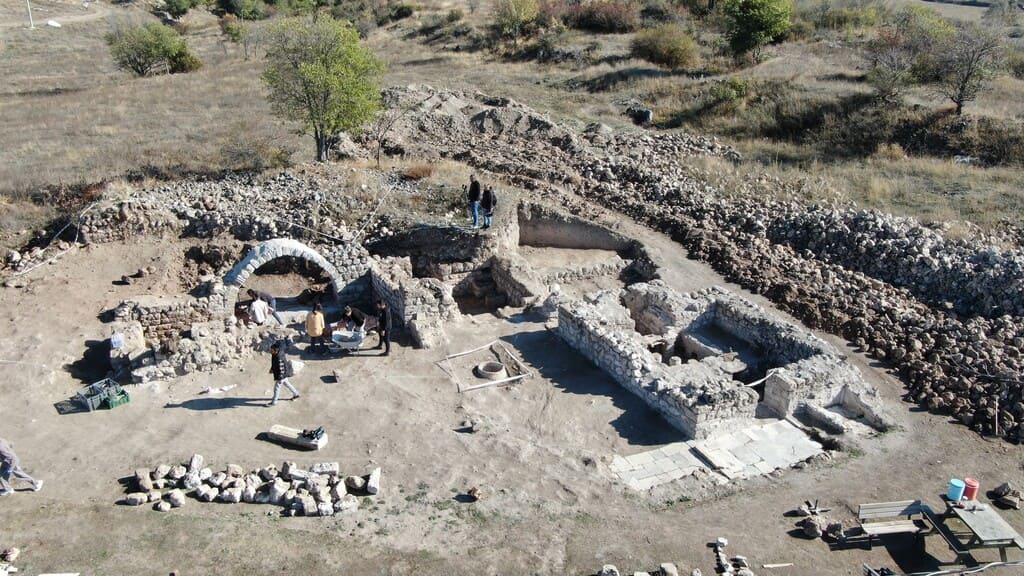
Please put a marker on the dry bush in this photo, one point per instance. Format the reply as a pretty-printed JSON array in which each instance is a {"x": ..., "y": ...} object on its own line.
[
  {"x": 890, "y": 151},
  {"x": 419, "y": 171},
  {"x": 669, "y": 46},
  {"x": 603, "y": 16}
]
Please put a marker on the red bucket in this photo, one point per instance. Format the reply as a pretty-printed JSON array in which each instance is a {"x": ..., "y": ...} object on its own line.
[{"x": 970, "y": 488}]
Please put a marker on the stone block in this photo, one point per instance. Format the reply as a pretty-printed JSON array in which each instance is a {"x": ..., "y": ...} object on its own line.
[
  {"x": 325, "y": 508},
  {"x": 278, "y": 488},
  {"x": 205, "y": 474},
  {"x": 177, "y": 472},
  {"x": 217, "y": 480},
  {"x": 154, "y": 495},
  {"x": 373, "y": 482},
  {"x": 608, "y": 570},
  {"x": 143, "y": 480},
  {"x": 669, "y": 569},
  {"x": 308, "y": 505},
  {"x": 234, "y": 470},
  {"x": 136, "y": 498},
  {"x": 347, "y": 503},
  {"x": 287, "y": 468},
  {"x": 161, "y": 471},
  {"x": 326, "y": 468},
  {"x": 231, "y": 495},
  {"x": 195, "y": 463},
  {"x": 269, "y": 473},
  {"x": 162, "y": 506}
]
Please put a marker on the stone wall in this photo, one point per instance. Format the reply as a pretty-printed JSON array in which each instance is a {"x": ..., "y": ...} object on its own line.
[
  {"x": 411, "y": 299},
  {"x": 696, "y": 398},
  {"x": 515, "y": 278},
  {"x": 164, "y": 317},
  {"x": 701, "y": 397}
]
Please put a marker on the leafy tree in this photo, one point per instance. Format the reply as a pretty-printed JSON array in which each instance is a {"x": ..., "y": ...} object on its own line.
[
  {"x": 754, "y": 23},
  {"x": 512, "y": 16},
  {"x": 145, "y": 49},
  {"x": 966, "y": 62},
  {"x": 321, "y": 76},
  {"x": 667, "y": 45}
]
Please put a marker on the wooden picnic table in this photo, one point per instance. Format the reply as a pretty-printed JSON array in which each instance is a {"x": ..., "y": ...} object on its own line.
[{"x": 987, "y": 527}]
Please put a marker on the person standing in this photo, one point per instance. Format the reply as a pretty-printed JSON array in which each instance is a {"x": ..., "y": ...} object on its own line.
[
  {"x": 315, "y": 329},
  {"x": 384, "y": 327},
  {"x": 271, "y": 303},
  {"x": 11, "y": 466},
  {"x": 473, "y": 197},
  {"x": 488, "y": 202},
  {"x": 280, "y": 367}
]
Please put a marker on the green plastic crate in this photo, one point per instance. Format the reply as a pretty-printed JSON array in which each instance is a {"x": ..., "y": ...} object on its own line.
[{"x": 115, "y": 400}]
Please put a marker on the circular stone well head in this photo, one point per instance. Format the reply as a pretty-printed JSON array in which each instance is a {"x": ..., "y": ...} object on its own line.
[{"x": 490, "y": 371}]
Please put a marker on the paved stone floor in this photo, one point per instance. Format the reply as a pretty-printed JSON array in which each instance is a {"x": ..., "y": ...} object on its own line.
[{"x": 758, "y": 449}]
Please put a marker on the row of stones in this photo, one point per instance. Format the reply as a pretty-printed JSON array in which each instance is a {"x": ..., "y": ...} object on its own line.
[{"x": 320, "y": 490}]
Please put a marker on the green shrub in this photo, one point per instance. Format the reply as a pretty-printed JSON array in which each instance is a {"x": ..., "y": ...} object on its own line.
[
  {"x": 512, "y": 17},
  {"x": 144, "y": 49},
  {"x": 178, "y": 8},
  {"x": 845, "y": 14},
  {"x": 669, "y": 46},
  {"x": 246, "y": 9},
  {"x": 453, "y": 15},
  {"x": 184, "y": 62},
  {"x": 754, "y": 23},
  {"x": 604, "y": 16}
]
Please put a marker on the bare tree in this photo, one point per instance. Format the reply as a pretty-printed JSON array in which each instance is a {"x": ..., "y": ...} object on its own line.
[
  {"x": 967, "y": 62},
  {"x": 385, "y": 121}
]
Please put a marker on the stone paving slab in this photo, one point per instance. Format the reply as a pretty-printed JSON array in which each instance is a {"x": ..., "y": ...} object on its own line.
[{"x": 755, "y": 450}]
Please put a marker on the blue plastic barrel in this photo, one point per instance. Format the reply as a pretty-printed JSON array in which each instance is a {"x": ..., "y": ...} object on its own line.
[{"x": 956, "y": 490}]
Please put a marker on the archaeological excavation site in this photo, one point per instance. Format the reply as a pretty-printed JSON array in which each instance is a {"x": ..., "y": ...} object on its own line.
[{"x": 331, "y": 369}]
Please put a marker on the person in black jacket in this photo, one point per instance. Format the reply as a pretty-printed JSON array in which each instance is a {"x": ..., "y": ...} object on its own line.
[
  {"x": 354, "y": 319},
  {"x": 384, "y": 327},
  {"x": 488, "y": 202},
  {"x": 279, "y": 367},
  {"x": 473, "y": 197}
]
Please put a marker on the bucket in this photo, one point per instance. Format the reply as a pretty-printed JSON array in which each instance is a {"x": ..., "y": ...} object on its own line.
[
  {"x": 970, "y": 488},
  {"x": 956, "y": 490}
]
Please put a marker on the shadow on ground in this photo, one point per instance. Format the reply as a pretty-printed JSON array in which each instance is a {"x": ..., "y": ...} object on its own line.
[
  {"x": 212, "y": 403},
  {"x": 94, "y": 365},
  {"x": 573, "y": 374}
]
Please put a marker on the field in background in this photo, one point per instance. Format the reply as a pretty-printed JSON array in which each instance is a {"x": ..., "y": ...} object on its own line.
[{"x": 67, "y": 116}]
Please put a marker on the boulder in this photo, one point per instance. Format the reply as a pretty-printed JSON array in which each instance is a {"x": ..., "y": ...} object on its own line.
[
  {"x": 278, "y": 488},
  {"x": 231, "y": 495},
  {"x": 608, "y": 570},
  {"x": 234, "y": 470},
  {"x": 195, "y": 463},
  {"x": 355, "y": 483},
  {"x": 136, "y": 498},
  {"x": 325, "y": 508},
  {"x": 669, "y": 569},
  {"x": 307, "y": 505},
  {"x": 177, "y": 472},
  {"x": 217, "y": 480},
  {"x": 143, "y": 480},
  {"x": 347, "y": 503},
  {"x": 326, "y": 468},
  {"x": 162, "y": 506},
  {"x": 190, "y": 481},
  {"x": 176, "y": 498}
]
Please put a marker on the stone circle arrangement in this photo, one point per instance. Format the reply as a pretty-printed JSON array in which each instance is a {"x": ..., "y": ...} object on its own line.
[{"x": 320, "y": 490}]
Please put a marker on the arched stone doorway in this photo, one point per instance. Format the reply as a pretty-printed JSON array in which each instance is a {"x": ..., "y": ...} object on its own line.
[{"x": 273, "y": 249}]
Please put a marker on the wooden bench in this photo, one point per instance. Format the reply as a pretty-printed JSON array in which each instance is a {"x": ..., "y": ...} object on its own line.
[
  {"x": 941, "y": 529},
  {"x": 880, "y": 518}
]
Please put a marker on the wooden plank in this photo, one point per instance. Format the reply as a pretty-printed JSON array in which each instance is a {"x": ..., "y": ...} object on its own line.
[
  {"x": 986, "y": 524},
  {"x": 494, "y": 383},
  {"x": 457, "y": 354},
  {"x": 892, "y": 527}
]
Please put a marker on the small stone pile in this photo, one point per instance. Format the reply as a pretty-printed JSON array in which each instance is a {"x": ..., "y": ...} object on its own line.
[
  {"x": 735, "y": 566},
  {"x": 666, "y": 569},
  {"x": 320, "y": 490}
]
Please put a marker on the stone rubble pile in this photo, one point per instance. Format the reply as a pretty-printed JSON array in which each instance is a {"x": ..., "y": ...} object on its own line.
[
  {"x": 665, "y": 569},
  {"x": 320, "y": 490},
  {"x": 896, "y": 288}
]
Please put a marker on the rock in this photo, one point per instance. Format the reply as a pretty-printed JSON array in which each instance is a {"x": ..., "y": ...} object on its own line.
[
  {"x": 287, "y": 468},
  {"x": 161, "y": 471},
  {"x": 326, "y": 468},
  {"x": 136, "y": 498},
  {"x": 143, "y": 480},
  {"x": 177, "y": 473},
  {"x": 355, "y": 483},
  {"x": 373, "y": 482},
  {"x": 337, "y": 376},
  {"x": 176, "y": 498},
  {"x": 278, "y": 489},
  {"x": 641, "y": 574},
  {"x": 669, "y": 569},
  {"x": 10, "y": 554},
  {"x": 347, "y": 503},
  {"x": 249, "y": 493},
  {"x": 812, "y": 527},
  {"x": 234, "y": 470},
  {"x": 205, "y": 474},
  {"x": 231, "y": 495},
  {"x": 1010, "y": 501},
  {"x": 608, "y": 570},
  {"x": 154, "y": 495},
  {"x": 325, "y": 508},
  {"x": 162, "y": 506},
  {"x": 269, "y": 473},
  {"x": 207, "y": 493},
  {"x": 191, "y": 481},
  {"x": 217, "y": 480},
  {"x": 195, "y": 463},
  {"x": 475, "y": 493},
  {"x": 696, "y": 572},
  {"x": 1002, "y": 490},
  {"x": 721, "y": 542},
  {"x": 745, "y": 572},
  {"x": 307, "y": 505}
]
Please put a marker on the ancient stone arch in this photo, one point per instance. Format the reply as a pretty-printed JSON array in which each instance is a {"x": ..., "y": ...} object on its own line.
[{"x": 279, "y": 248}]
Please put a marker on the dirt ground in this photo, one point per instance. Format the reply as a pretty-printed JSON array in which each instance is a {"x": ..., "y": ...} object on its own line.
[{"x": 540, "y": 456}]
